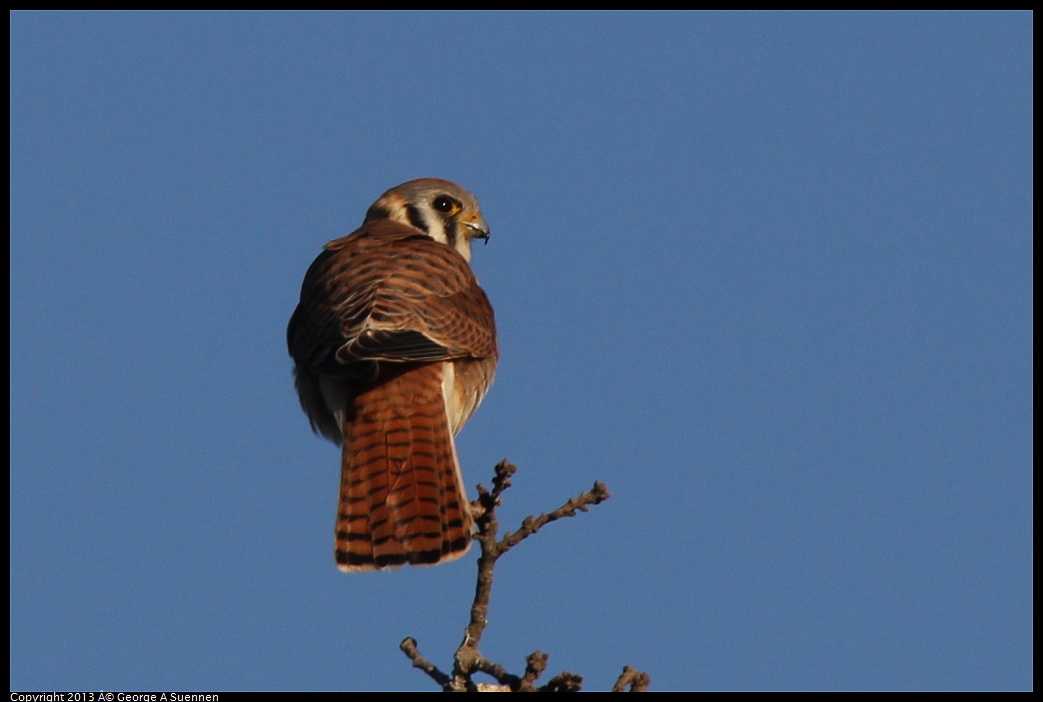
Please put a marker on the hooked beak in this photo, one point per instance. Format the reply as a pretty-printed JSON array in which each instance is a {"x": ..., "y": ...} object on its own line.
[{"x": 479, "y": 229}]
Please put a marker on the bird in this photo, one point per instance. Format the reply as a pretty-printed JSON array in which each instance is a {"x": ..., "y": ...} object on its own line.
[{"x": 394, "y": 347}]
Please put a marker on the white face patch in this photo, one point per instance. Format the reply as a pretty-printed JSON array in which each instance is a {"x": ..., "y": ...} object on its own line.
[
  {"x": 436, "y": 227},
  {"x": 436, "y": 230},
  {"x": 418, "y": 212}
]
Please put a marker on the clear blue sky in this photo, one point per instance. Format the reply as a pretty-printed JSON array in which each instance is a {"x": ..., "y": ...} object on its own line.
[{"x": 768, "y": 276}]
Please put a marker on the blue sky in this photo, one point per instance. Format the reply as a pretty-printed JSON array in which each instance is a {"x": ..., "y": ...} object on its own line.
[{"x": 767, "y": 276}]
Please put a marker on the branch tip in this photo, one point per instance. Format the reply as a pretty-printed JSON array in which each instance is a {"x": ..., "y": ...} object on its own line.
[
  {"x": 637, "y": 680},
  {"x": 467, "y": 659}
]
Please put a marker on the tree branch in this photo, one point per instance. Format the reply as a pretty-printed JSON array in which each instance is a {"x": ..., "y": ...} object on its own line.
[
  {"x": 468, "y": 659},
  {"x": 408, "y": 647},
  {"x": 637, "y": 681}
]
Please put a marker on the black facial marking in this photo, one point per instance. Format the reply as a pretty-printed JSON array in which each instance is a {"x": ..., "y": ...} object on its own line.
[
  {"x": 378, "y": 212},
  {"x": 416, "y": 218}
]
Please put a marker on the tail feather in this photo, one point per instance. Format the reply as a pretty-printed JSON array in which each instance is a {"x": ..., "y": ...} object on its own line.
[{"x": 401, "y": 500}]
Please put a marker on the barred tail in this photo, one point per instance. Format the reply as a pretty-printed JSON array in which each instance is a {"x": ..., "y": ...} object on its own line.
[{"x": 401, "y": 500}]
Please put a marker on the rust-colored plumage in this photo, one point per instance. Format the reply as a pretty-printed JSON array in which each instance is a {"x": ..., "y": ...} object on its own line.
[{"x": 394, "y": 347}]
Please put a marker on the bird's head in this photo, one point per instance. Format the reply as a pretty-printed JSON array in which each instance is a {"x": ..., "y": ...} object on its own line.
[{"x": 439, "y": 208}]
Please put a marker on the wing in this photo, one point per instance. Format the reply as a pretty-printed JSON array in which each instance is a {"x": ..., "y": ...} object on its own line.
[{"x": 384, "y": 294}]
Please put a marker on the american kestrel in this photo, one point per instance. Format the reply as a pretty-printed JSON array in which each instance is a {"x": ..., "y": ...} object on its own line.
[{"x": 394, "y": 346}]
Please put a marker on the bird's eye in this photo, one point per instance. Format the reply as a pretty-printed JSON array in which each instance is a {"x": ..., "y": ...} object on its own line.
[{"x": 444, "y": 203}]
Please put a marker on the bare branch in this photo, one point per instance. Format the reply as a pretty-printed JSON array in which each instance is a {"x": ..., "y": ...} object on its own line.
[
  {"x": 564, "y": 682},
  {"x": 535, "y": 664},
  {"x": 530, "y": 525},
  {"x": 637, "y": 681},
  {"x": 408, "y": 647},
  {"x": 468, "y": 660},
  {"x": 467, "y": 656},
  {"x": 513, "y": 682}
]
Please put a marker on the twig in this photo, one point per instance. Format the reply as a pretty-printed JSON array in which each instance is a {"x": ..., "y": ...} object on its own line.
[
  {"x": 408, "y": 647},
  {"x": 637, "y": 681},
  {"x": 468, "y": 660},
  {"x": 530, "y": 525},
  {"x": 564, "y": 682},
  {"x": 535, "y": 664}
]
